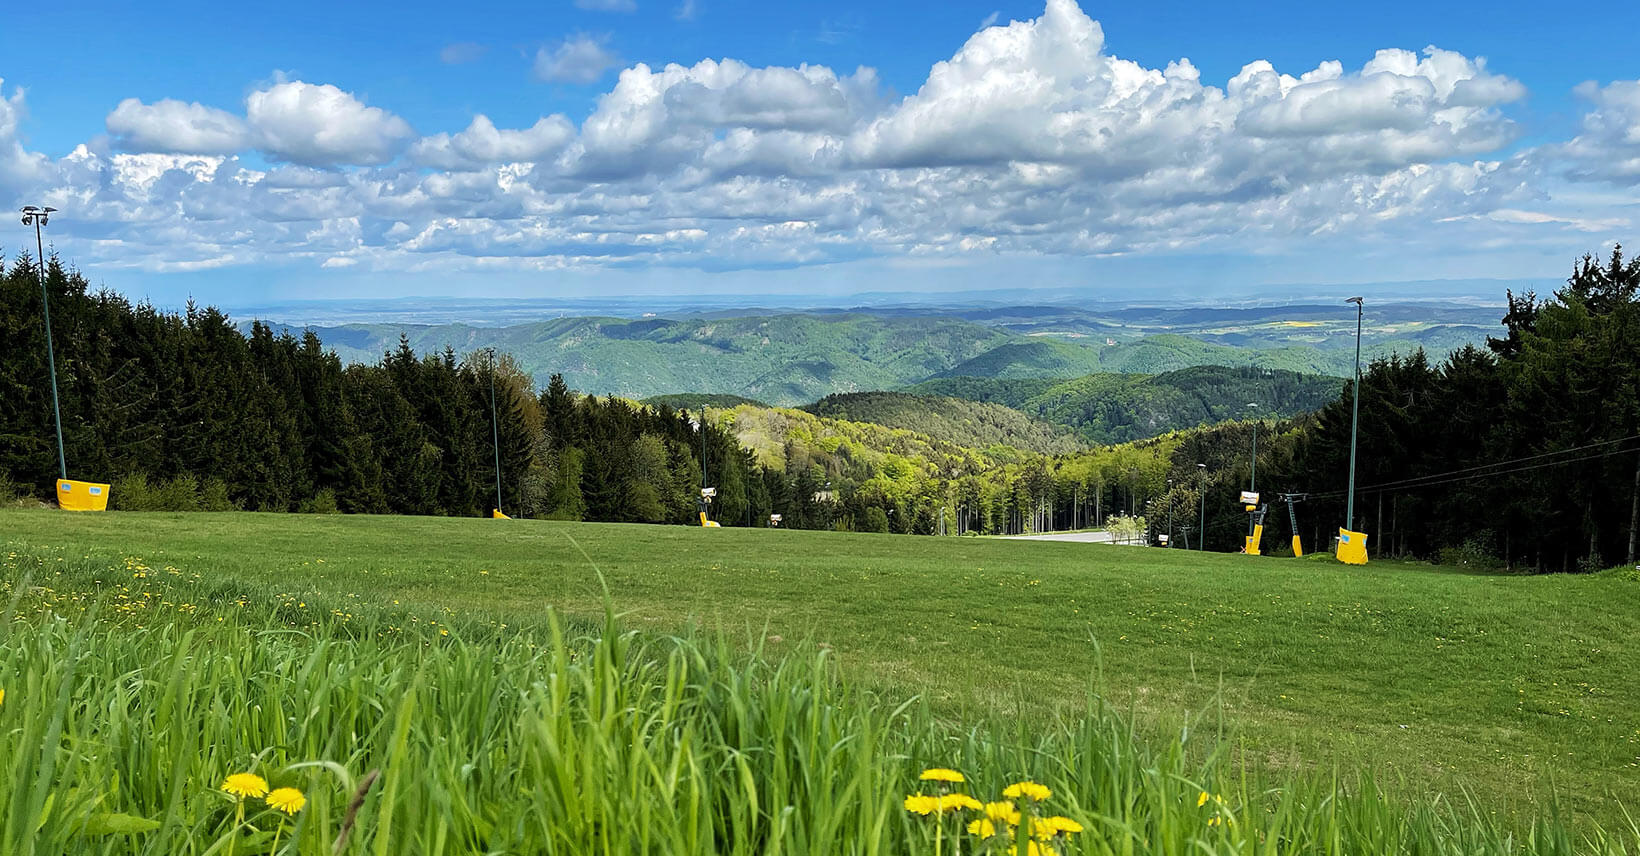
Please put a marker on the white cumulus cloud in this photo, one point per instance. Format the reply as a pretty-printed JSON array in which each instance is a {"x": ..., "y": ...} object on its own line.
[
  {"x": 321, "y": 125},
  {"x": 173, "y": 126},
  {"x": 483, "y": 143}
]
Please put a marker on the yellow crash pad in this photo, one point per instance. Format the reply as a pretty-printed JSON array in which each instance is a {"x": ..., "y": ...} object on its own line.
[
  {"x": 81, "y": 496},
  {"x": 1352, "y": 547}
]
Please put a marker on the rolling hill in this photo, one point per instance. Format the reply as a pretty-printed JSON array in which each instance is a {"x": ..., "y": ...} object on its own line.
[
  {"x": 1116, "y": 408},
  {"x": 967, "y": 422}
]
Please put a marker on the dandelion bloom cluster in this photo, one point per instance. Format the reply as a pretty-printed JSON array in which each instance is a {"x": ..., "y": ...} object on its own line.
[
  {"x": 999, "y": 822},
  {"x": 244, "y": 785}
]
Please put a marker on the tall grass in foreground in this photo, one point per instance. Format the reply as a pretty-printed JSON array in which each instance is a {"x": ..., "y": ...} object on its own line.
[{"x": 126, "y": 706}]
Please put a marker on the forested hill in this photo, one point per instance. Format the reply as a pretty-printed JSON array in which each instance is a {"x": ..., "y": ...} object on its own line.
[
  {"x": 957, "y": 420},
  {"x": 1116, "y": 408}
]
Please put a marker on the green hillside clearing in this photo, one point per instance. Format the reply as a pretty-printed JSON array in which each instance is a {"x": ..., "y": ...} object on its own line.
[{"x": 1517, "y": 687}]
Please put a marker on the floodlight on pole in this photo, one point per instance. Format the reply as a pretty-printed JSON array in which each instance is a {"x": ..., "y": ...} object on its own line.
[
  {"x": 38, "y": 217},
  {"x": 1355, "y": 415}
]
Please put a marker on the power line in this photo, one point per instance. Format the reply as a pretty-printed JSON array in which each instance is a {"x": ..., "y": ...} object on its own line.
[{"x": 1459, "y": 475}]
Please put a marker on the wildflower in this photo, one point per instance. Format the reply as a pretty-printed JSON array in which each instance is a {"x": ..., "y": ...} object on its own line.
[
  {"x": 1002, "y": 812},
  {"x": 1057, "y": 825},
  {"x": 1029, "y": 790},
  {"x": 2, "y": 695},
  {"x": 1201, "y": 800},
  {"x": 1213, "y": 821},
  {"x": 1031, "y": 849},
  {"x": 982, "y": 827},
  {"x": 246, "y": 785},
  {"x": 940, "y": 774},
  {"x": 925, "y": 804},
  {"x": 287, "y": 800}
]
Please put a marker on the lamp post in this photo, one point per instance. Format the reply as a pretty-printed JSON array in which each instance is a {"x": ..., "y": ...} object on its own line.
[
  {"x": 1252, "y": 478},
  {"x": 1170, "y": 514},
  {"x": 38, "y": 217},
  {"x": 700, "y": 426},
  {"x": 1355, "y": 416},
  {"x": 1201, "y": 535},
  {"x": 495, "y": 430}
]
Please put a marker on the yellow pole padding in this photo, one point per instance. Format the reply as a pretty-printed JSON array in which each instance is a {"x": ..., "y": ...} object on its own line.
[
  {"x": 81, "y": 496},
  {"x": 1254, "y": 539},
  {"x": 1352, "y": 547},
  {"x": 495, "y": 514},
  {"x": 1298, "y": 548}
]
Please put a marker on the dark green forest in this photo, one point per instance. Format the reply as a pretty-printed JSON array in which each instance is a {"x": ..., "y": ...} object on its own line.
[{"x": 181, "y": 411}]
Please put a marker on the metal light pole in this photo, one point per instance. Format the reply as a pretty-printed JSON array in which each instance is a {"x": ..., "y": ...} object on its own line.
[
  {"x": 1355, "y": 416},
  {"x": 1170, "y": 514},
  {"x": 700, "y": 426},
  {"x": 1201, "y": 535},
  {"x": 495, "y": 430},
  {"x": 38, "y": 217},
  {"x": 1253, "y": 478}
]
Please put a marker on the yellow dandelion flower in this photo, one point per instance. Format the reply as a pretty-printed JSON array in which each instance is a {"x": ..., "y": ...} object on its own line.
[
  {"x": 941, "y": 774},
  {"x": 1002, "y": 812},
  {"x": 982, "y": 827},
  {"x": 1058, "y": 825},
  {"x": 1028, "y": 790},
  {"x": 287, "y": 800},
  {"x": 921, "y": 803},
  {"x": 1031, "y": 849},
  {"x": 1213, "y": 821},
  {"x": 2, "y": 695},
  {"x": 951, "y": 802},
  {"x": 246, "y": 785}
]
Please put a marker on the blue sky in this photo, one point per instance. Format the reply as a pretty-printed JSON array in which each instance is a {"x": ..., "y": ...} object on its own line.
[{"x": 316, "y": 150}]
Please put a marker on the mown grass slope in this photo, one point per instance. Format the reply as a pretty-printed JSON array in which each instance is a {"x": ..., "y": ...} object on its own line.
[{"x": 1439, "y": 680}]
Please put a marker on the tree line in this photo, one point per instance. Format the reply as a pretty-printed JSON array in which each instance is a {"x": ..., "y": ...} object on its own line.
[{"x": 184, "y": 411}]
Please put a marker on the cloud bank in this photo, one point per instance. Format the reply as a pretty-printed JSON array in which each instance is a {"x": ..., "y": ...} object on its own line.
[{"x": 1030, "y": 139}]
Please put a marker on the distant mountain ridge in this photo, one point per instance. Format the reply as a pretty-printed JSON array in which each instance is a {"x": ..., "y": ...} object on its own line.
[{"x": 795, "y": 358}]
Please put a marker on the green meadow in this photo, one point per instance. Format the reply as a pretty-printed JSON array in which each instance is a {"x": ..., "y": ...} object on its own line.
[{"x": 529, "y": 686}]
